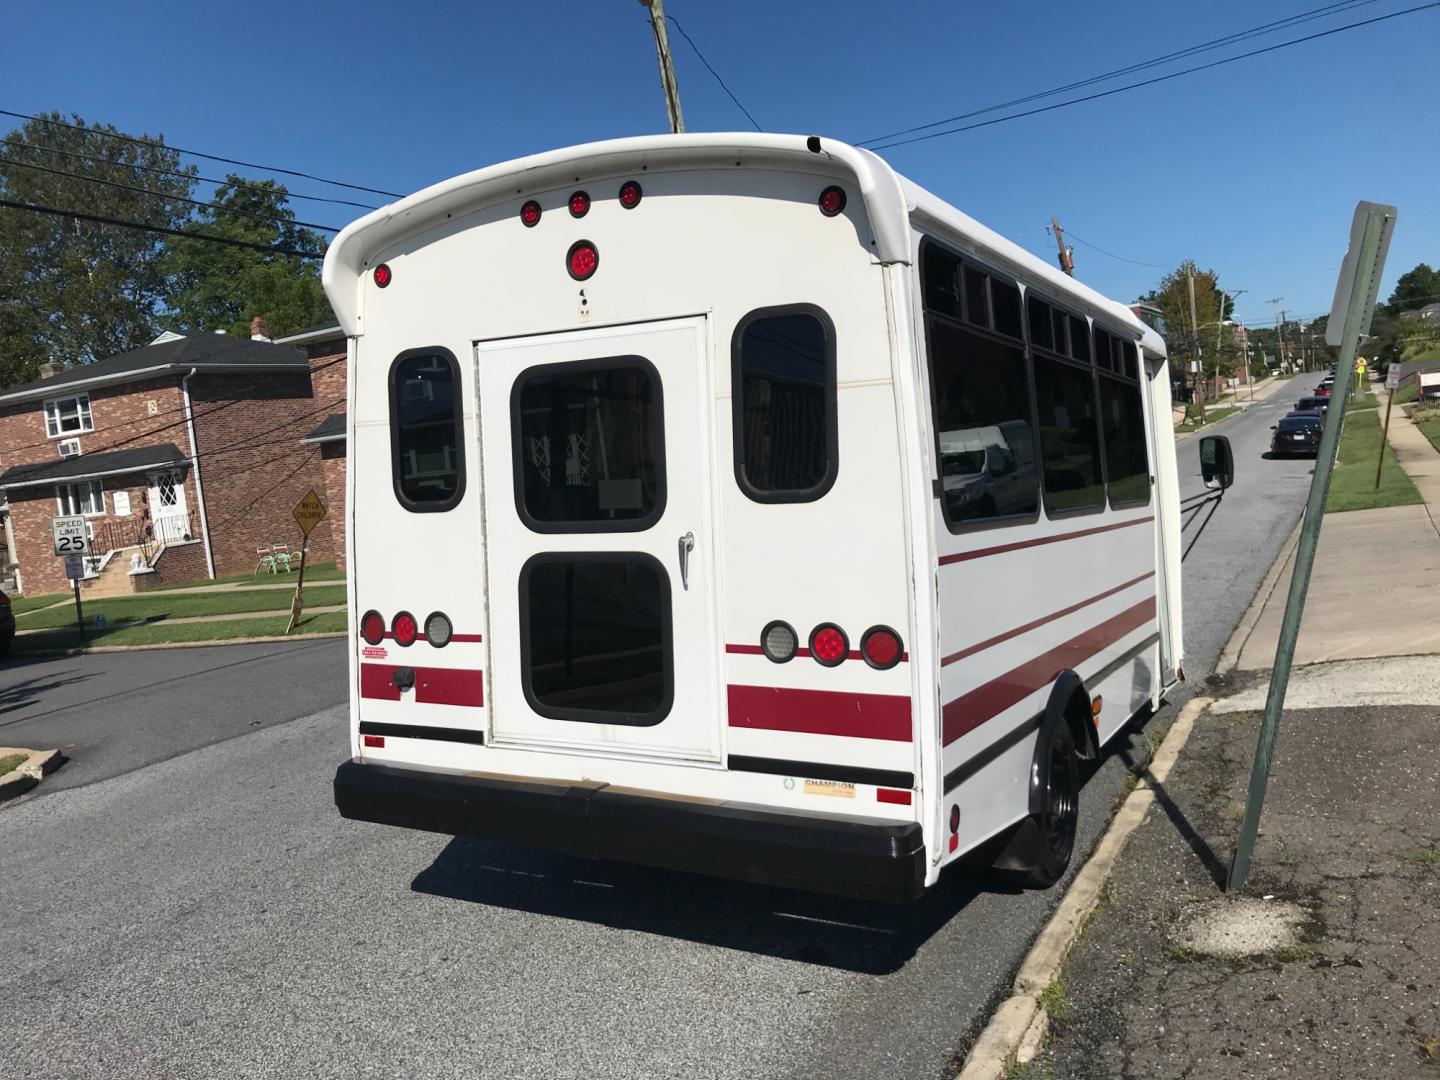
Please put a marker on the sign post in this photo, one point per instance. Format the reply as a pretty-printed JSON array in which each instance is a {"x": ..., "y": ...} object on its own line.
[
  {"x": 308, "y": 514},
  {"x": 72, "y": 542},
  {"x": 1350, "y": 318},
  {"x": 1392, "y": 383}
]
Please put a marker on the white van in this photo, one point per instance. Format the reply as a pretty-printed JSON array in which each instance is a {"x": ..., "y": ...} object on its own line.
[{"x": 728, "y": 503}]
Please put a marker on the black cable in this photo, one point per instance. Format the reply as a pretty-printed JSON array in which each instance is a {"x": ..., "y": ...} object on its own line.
[
  {"x": 199, "y": 154},
  {"x": 1159, "y": 78},
  {"x": 160, "y": 229},
  {"x": 712, "y": 71},
  {"x": 1157, "y": 266},
  {"x": 183, "y": 173},
  {"x": 7, "y": 162},
  {"x": 1193, "y": 50}
]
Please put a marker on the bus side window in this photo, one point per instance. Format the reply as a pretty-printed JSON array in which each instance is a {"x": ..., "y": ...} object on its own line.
[
  {"x": 980, "y": 397},
  {"x": 427, "y": 464},
  {"x": 783, "y": 387},
  {"x": 1069, "y": 425},
  {"x": 1126, "y": 458}
]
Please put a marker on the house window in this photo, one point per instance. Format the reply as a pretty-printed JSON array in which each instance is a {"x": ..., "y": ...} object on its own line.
[
  {"x": 87, "y": 498},
  {"x": 68, "y": 416}
]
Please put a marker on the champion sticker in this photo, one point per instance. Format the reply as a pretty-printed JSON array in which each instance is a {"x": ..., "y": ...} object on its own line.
[
  {"x": 374, "y": 652},
  {"x": 836, "y": 789}
]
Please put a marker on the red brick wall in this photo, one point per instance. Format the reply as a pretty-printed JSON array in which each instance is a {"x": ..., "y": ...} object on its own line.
[
  {"x": 332, "y": 460},
  {"x": 178, "y": 562},
  {"x": 122, "y": 416},
  {"x": 253, "y": 465},
  {"x": 327, "y": 375}
]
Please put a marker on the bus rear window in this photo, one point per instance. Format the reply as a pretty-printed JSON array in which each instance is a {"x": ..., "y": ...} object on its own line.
[{"x": 428, "y": 468}]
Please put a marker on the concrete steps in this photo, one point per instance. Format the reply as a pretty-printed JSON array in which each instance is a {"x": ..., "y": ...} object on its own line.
[{"x": 114, "y": 580}]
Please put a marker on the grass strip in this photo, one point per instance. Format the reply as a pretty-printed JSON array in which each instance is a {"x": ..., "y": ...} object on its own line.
[
  {"x": 313, "y": 572},
  {"x": 163, "y": 634},
  {"x": 156, "y": 608},
  {"x": 1353, "y": 485},
  {"x": 11, "y": 761}
]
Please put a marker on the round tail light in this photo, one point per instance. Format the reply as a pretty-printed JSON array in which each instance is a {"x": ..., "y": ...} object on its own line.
[
  {"x": 382, "y": 276},
  {"x": 530, "y": 214},
  {"x": 404, "y": 629},
  {"x": 828, "y": 644},
  {"x": 579, "y": 204},
  {"x": 582, "y": 259},
  {"x": 778, "y": 642},
  {"x": 630, "y": 194},
  {"x": 832, "y": 201},
  {"x": 372, "y": 628},
  {"x": 438, "y": 630},
  {"x": 881, "y": 647}
]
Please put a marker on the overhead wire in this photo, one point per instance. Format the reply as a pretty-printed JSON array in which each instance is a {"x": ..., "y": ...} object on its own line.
[{"x": 713, "y": 72}]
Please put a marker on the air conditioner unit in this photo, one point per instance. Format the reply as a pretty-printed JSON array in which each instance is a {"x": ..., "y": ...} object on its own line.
[{"x": 69, "y": 448}]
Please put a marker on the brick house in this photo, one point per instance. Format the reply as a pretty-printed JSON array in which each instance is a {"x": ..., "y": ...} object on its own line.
[
  {"x": 184, "y": 456},
  {"x": 326, "y": 348}
]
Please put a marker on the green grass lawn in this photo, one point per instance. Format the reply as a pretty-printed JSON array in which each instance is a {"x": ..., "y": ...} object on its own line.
[
  {"x": 314, "y": 572},
  {"x": 11, "y": 761},
  {"x": 22, "y": 604},
  {"x": 1212, "y": 415},
  {"x": 162, "y": 605},
  {"x": 163, "y": 633},
  {"x": 1353, "y": 485},
  {"x": 1431, "y": 430}
]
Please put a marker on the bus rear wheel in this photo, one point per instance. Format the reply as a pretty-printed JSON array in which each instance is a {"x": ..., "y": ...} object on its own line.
[{"x": 1059, "y": 812}]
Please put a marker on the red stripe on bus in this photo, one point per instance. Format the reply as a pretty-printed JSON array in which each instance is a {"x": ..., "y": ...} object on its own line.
[
  {"x": 980, "y": 553},
  {"x": 998, "y": 638},
  {"x": 970, "y": 710},
  {"x": 745, "y": 650},
  {"x": 821, "y": 712},
  {"x": 433, "y": 686},
  {"x": 756, "y": 650}
]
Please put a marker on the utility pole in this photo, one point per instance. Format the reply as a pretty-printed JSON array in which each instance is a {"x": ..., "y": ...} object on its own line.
[
  {"x": 1279, "y": 327},
  {"x": 668, "y": 84},
  {"x": 1195, "y": 343},
  {"x": 1067, "y": 255}
]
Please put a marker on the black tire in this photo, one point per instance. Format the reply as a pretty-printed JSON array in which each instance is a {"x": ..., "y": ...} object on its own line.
[{"x": 1059, "y": 812}]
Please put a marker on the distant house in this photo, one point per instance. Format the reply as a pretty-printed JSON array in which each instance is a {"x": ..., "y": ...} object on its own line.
[
  {"x": 1429, "y": 315},
  {"x": 183, "y": 456},
  {"x": 326, "y": 348}
]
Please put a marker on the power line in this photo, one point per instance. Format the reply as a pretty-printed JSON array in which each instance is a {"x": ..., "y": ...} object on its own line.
[
  {"x": 160, "y": 229},
  {"x": 1158, "y": 78},
  {"x": 1134, "y": 262},
  {"x": 1194, "y": 50},
  {"x": 712, "y": 71},
  {"x": 200, "y": 154},
  {"x": 8, "y": 162},
  {"x": 184, "y": 174}
]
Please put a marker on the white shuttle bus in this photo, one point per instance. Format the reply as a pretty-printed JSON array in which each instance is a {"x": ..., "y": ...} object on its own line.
[{"x": 728, "y": 503}]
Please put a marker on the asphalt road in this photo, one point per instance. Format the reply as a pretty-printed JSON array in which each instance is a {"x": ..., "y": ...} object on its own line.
[{"x": 208, "y": 914}]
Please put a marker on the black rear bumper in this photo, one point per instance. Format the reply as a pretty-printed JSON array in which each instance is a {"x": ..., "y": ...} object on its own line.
[{"x": 840, "y": 855}]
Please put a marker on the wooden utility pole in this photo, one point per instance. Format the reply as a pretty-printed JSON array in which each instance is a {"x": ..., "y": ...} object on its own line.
[
  {"x": 668, "y": 85},
  {"x": 1195, "y": 344},
  {"x": 1067, "y": 255}
]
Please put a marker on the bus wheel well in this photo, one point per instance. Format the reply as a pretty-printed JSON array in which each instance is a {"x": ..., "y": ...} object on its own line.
[{"x": 1071, "y": 701}]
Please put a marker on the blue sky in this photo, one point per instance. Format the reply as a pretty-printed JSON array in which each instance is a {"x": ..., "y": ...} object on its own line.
[{"x": 1252, "y": 168}]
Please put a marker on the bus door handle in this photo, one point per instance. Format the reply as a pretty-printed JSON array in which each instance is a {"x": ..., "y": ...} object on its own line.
[{"x": 687, "y": 545}]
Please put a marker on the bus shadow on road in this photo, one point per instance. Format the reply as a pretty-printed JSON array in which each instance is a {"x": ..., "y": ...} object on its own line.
[{"x": 851, "y": 935}]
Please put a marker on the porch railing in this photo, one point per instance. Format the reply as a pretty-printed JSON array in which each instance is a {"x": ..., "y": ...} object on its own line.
[{"x": 148, "y": 536}]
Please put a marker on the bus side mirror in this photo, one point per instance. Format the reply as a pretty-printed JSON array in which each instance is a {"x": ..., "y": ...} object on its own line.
[{"x": 1217, "y": 464}]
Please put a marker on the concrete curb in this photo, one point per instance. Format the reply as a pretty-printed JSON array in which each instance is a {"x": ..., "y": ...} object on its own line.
[
  {"x": 25, "y": 776},
  {"x": 1016, "y": 1031},
  {"x": 1230, "y": 655},
  {"x": 44, "y": 653}
]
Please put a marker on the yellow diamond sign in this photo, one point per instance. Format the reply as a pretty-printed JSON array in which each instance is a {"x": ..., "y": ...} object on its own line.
[{"x": 309, "y": 512}]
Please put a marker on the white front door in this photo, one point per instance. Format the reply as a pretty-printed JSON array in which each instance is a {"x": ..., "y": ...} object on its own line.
[
  {"x": 599, "y": 552},
  {"x": 169, "y": 515}
]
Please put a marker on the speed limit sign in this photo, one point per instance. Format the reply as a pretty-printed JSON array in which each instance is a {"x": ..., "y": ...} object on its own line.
[{"x": 71, "y": 535}]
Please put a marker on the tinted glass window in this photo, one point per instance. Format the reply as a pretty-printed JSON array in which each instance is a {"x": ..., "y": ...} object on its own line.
[
  {"x": 589, "y": 444},
  {"x": 596, "y": 638},
  {"x": 1132, "y": 366},
  {"x": 1062, "y": 340},
  {"x": 785, "y": 438},
  {"x": 977, "y": 307},
  {"x": 1124, "y": 428},
  {"x": 1069, "y": 436},
  {"x": 1079, "y": 339},
  {"x": 1005, "y": 299},
  {"x": 941, "y": 272},
  {"x": 425, "y": 425},
  {"x": 1041, "y": 331}
]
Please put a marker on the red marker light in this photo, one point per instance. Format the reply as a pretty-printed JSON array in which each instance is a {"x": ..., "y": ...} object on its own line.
[
  {"x": 630, "y": 194},
  {"x": 832, "y": 201},
  {"x": 828, "y": 644},
  {"x": 382, "y": 275},
  {"x": 377, "y": 741},
  {"x": 582, "y": 260},
  {"x": 404, "y": 629},
  {"x": 372, "y": 628},
  {"x": 881, "y": 647},
  {"x": 530, "y": 214},
  {"x": 579, "y": 204}
]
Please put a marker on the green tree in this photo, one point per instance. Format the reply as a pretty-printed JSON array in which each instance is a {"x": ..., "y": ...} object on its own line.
[
  {"x": 1415, "y": 289},
  {"x": 77, "y": 291},
  {"x": 218, "y": 287},
  {"x": 1206, "y": 337}
]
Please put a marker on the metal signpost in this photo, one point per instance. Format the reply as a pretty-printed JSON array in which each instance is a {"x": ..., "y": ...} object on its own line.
[
  {"x": 72, "y": 543},
  {"x": 1350, "y": 318},
  {"x": 1392, "y": 383},
  {"x": 308, "y": 514}
]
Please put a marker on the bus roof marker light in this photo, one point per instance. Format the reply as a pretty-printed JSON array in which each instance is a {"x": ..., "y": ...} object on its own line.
[
  {"x": 829, "y": 645},
  {"x": 530, "y": 214},
  {"x": 579, "y": 204},
  {"x": 630, "y": 194},
  {"x": 383, "y": 275},
  {"x": 832, "y": 200},
  {"x": 582, "y": 260}
]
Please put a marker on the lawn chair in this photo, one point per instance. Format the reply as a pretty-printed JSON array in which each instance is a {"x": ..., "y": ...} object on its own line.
[
  {"x": 265, "y": 561},
  {"x": 282, "y": 556}
]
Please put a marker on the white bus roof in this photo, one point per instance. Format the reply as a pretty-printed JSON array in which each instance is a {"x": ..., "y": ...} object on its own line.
[{"x": 889, "y": 198}]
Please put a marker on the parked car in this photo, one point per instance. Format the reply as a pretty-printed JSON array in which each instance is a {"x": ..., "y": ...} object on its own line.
[
  {"x": 7, "y": 624},
  {"x": 1296, "y": 434},
  {"x": 1323, "y": 391},
  {"x": 1313, "y": 403}
]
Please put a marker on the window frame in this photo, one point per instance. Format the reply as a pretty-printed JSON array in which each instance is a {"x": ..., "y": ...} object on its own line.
[
  {"x": 1138, "y": 382},
  {"x": 86, "y": 414},
  {"x": 657, "y": 433},
  {"x": 667, "y": 633},
  {"x": 97, "y": 485},
  {"x": 459, "y": 419},
  {"x": 1023, "y": 342},
  {"x": 737, "y": 406}
]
